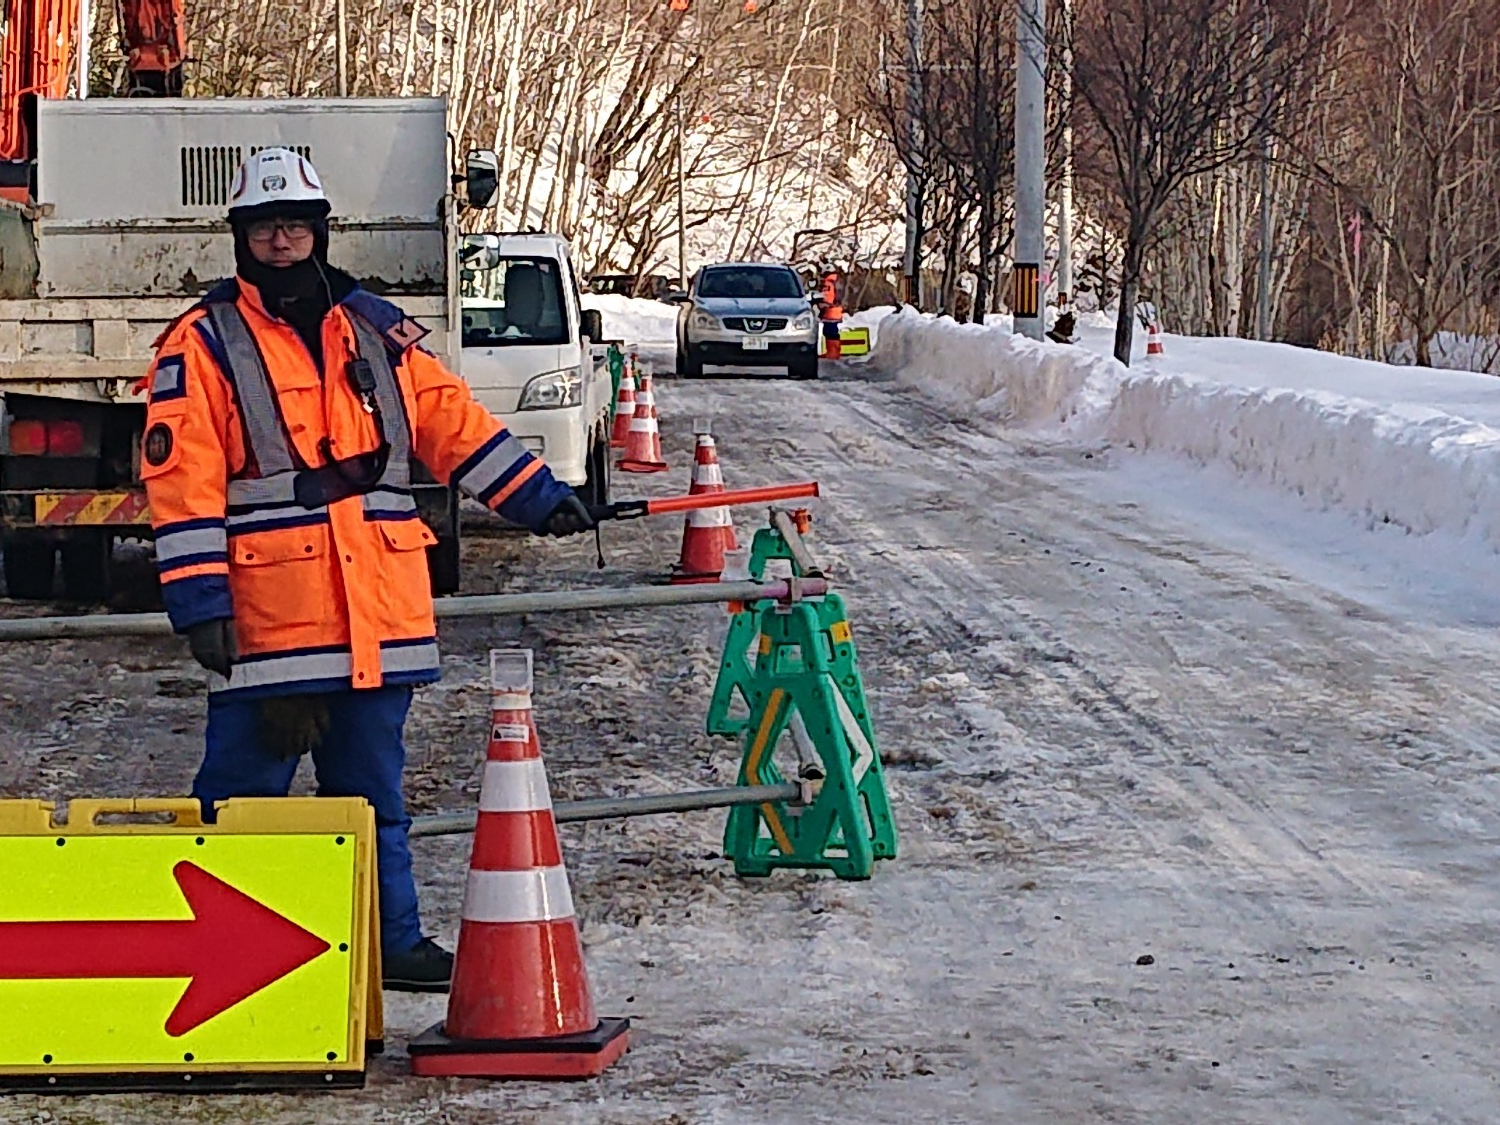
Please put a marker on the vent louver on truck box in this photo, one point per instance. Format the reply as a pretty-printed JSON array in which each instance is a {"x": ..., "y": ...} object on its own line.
[{"x": 208, "y": 171}]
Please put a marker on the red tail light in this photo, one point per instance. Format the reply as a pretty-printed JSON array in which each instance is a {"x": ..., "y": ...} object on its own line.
[
  {"x": 28, "y": 439},
  {"x": 46, "y": 439},
  {"x": 64, "y": 439}
]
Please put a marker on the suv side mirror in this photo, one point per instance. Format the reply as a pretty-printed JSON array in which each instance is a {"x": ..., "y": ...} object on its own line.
[
  {"x": 481, "y": 176},
  {"x": 592, "y": 324}
]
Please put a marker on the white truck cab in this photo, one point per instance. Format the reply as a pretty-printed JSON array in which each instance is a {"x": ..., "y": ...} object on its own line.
[{"x": 528, "y": 353}]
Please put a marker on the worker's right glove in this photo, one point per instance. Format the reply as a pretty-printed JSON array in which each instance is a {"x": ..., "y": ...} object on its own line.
[
  {"x": 568, "y": 518},
  {"x": 213, "y": 645}
]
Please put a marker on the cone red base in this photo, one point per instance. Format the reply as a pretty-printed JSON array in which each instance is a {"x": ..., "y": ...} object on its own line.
[
  {"x": 434, "y": 1055},
  {"x": 627, "y": 466},
  {"x": 683, "y": 578}
]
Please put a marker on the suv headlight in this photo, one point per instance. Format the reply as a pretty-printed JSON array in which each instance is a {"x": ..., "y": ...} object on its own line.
[
  {"x": 553, "y": 391},
  {"x": 804, "y": 321},
  {"x": 703, "y": 319}
]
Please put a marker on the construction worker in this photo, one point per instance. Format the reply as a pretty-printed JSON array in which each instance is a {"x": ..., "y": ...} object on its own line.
[
  {"x": 286, "y": 410},
  {"x": 830, "y": 311}
]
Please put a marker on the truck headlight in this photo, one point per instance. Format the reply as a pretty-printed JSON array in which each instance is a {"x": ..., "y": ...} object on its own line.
[
  {"x": 553, "y": 391},
  {"x": 804, "y": 321},
  {"x": 703, "y": 319}
]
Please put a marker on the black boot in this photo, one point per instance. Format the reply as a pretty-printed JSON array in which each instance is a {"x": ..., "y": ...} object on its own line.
[{"x": 427, "y": 967}]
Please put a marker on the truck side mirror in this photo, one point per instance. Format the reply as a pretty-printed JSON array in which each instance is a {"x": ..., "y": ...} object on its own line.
[
  {"x": 481, "y": 176},
  {"x": 593, "y": 324}
]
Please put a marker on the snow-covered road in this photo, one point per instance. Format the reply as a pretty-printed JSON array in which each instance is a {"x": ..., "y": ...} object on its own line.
[
  {"x": 1142, "y": 742},
  {"x": 1189, "y": 833}
]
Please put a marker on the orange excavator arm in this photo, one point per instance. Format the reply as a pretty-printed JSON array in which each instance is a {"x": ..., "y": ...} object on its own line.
[{"x": 37, "y": 50}]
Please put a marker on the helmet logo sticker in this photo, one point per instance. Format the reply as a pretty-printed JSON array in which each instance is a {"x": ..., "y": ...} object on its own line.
[{"x": 273, "y": 183}]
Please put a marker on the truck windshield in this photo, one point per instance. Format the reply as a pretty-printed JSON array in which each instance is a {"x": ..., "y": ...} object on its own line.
[
  {"x": 748, "y": 281},
  {"x": 519, "y": 301}
]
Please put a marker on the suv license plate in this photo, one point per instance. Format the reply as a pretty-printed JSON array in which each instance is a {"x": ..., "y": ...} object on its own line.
[{"x": 755, "y": 343}]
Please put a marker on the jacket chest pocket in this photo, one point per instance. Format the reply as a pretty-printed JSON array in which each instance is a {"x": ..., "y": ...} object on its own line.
[
  {"x": 406, "y": 535},
  {"x": 272, "y": 548}
]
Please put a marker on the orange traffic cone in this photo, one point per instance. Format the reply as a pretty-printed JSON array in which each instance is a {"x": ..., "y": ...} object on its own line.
[
  {"x": 707, "y": 532},
  {"x": 520, "y": 1005},
  {"x": 643, "y": 441},
  {"x": 1153, "y": 340},
  {"x": 625, "y": 410}
]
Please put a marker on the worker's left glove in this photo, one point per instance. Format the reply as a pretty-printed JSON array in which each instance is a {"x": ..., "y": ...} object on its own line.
[
  {"x": 568, "y": 518},
  {"x": 292, "y": 725}
]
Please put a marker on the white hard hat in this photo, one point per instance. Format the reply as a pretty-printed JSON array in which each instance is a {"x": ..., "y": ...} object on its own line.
[{"x": 273, "y": 177}]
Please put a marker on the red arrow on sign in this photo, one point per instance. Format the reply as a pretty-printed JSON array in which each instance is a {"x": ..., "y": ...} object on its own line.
[{"x": 233, "y": 948}]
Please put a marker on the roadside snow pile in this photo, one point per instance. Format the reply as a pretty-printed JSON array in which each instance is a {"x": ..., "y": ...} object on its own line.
[
  {"x": 1417, "y": 448},
  {"x": 634, "y": 320}
]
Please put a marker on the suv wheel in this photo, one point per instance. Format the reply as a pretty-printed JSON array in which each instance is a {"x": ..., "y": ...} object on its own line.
[{"x": 803, "y": 367}]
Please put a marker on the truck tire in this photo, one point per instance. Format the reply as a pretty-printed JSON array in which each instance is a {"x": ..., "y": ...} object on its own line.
[
  {"x": 445, "y": 566},
  {"x": 595, "y": 490},
  {"x": 29, "y": 564},
  {"x": 86, "y": 566}
]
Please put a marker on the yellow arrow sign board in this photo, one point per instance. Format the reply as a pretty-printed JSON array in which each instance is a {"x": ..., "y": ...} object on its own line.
[
  {"x": 186, "y": 949},
  {"x": 854, "y": 341}
]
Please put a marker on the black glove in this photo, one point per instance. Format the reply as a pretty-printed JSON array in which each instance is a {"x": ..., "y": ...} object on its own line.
[
  {"x": 293, "y": 725},
  {"x": 568, "y": 518},
  {"x": 213, "y": 645}
]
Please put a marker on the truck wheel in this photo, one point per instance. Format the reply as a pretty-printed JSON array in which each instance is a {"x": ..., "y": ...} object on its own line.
[
  {"x": 29, "y": 563},
  {"x": 444, "y": 566},
  {"x": 86, "y": 558},
  {"x": 595, "y": 489}
]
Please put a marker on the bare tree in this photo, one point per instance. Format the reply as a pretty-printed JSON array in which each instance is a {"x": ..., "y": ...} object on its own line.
[{"x": 1179, "y": 88}]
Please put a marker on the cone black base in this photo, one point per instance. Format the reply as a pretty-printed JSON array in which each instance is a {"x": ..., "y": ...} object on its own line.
[{"x": 585, "y": 1055}]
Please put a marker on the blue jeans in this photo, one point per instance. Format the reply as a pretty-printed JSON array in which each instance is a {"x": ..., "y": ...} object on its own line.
[{"x": 362, "y": 755}]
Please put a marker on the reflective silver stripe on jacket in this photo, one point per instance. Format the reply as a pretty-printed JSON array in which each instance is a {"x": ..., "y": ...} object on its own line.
[
  {"x": 269, "y": 500},
  {"x": 305, "y": 667},
  {"x": 174, "y": 545},
  {"x": 494, "y": 464}
]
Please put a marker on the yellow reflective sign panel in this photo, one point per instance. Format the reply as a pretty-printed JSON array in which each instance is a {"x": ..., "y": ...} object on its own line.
[{"x": 174, "y": 950}]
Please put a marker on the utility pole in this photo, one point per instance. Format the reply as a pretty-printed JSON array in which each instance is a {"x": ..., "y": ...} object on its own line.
[
  {"x": 1031, "y": 167},
  {"x": 1065, "y": 189},
  {"x": 915, "y": 141},
  {"x": 1263, "y": 282},
  {"x": 85, "y": 33},
  {"x": 682, "y": 274},
  {"x": 341, "y": 45}
]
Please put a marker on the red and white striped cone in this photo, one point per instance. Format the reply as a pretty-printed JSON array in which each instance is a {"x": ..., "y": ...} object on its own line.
[
  {"x": 707, "y": 532},
  {"x": 1153, "y": 340},
  {"x": 643, "y": 439},
  {"x": 520, "y": 1005},
  {"x": 624, "y": 409},
  {"x": 649, "y": 383}
]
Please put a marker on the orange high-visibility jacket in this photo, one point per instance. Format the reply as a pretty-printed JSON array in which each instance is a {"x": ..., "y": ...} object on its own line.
[
  {"x": 828, "y": 296},
  {"x": 324, "y": 596}
]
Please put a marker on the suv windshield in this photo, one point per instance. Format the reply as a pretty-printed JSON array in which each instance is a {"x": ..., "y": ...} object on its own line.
[
  {"x": 749, "y": 281},
  {"x": 518, "y": 301}
]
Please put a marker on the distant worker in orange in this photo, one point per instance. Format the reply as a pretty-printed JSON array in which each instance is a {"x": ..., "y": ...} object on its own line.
[
  {"x": 288, "y": 410},
  {"x": 830, "y": 311}
]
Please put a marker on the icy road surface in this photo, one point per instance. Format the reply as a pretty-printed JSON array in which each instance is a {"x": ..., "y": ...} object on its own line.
[{"x": 1191, "y": 832}]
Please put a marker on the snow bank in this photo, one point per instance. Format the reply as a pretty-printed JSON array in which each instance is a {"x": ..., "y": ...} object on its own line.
[
  {"x": 635, "y": 320},
  {"x": 1417, "y": 449}
]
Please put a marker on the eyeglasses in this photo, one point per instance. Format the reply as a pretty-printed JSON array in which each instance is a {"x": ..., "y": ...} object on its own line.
[{"x": 266, "y": 229}]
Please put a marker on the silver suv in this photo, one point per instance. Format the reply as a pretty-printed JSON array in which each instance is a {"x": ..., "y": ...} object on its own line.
[{"x": 747, "y": 314}]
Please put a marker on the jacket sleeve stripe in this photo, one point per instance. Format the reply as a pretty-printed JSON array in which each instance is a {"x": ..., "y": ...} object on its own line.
[
  {"x": 487, "y": 465},
  {"x": 503, "y": 492},
  {"x": 196, "y": 568},
  {"x": 205, "y": 562},
  {"x": 173, "y": 547}
]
